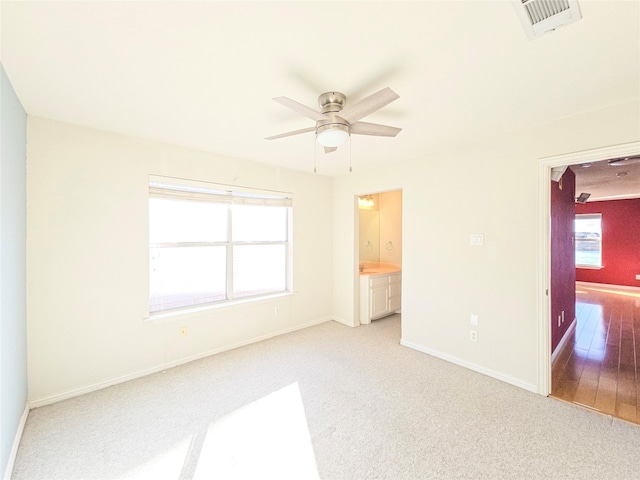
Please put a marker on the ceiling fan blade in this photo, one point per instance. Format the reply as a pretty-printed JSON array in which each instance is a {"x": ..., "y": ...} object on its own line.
[
  {"x": 300, "y": 108},
  {"x": 330, "y": 149},
  {"x": 368, "y": 105},
  {"x": 294, "y": 132},
  {"x": 365, "y": 128}
]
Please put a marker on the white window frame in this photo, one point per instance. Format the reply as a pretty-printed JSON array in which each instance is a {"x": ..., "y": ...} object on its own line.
[
  {"x": 590, "y": 216},
  {"x": 191, "y": 190}
]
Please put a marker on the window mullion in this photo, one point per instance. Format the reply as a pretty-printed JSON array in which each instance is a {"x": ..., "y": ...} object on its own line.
[{"x": 186, "y": 244}]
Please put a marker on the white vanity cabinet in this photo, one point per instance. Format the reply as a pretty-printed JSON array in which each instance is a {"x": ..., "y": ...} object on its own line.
[{"x": 380, "y": 295}]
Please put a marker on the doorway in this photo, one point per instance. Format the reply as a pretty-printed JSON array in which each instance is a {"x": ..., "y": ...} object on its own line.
[
  {"x": 379, "y": 254},
  {"x": 545, "y": 170}
]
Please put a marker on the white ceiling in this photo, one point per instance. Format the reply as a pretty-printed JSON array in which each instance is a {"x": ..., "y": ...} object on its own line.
[
  {"x": 608, "y": 182},
  {"x": 202, "y": 74}
]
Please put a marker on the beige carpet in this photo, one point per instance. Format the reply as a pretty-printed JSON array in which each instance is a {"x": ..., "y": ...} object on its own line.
[{"x": 328, "y": 402}]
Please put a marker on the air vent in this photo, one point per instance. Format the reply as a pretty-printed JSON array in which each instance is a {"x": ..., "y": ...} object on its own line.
[{"x": 542, "y": 16}]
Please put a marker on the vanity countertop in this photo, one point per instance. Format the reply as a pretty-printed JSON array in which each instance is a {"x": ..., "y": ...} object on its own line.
[{"x": 380, "y": 270}]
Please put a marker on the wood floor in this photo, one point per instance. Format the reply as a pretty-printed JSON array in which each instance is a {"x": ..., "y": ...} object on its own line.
[{"x": 599, "y": 366}]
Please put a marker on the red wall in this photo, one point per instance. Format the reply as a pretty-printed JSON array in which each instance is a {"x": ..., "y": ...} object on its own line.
[
  {"x": 620, "y": 242},
  {"x": 563, "y": 256}
]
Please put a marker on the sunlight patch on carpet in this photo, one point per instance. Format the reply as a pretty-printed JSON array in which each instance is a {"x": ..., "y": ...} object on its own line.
[{"x": 269, "y": 438}]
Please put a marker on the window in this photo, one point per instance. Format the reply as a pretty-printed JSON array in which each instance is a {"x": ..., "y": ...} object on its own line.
[
  {"x": 588, "y": 235},
  {"x": 213, "y": 243}
]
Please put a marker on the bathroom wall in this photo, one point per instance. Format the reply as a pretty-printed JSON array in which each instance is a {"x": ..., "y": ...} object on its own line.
[
  {"x": 380, "y": 229},
  {"x": 391, "y": 227},
  {"x": 369, "y": 232},
  {"x": 369, "y": 239}
]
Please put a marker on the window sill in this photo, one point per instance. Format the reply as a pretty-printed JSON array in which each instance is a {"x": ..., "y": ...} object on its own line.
[
  {"x": 590, "y": 267},
  {"x": 185, "y": 313}
]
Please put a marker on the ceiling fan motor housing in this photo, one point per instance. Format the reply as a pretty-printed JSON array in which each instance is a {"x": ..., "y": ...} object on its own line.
[{"x": 331, "y": 103}]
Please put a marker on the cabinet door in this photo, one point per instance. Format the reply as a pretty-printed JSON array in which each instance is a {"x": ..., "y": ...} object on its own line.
[
  {"x": 379, "y": 301},
  {"x": 395, "y": 302},
  {"x": 395, "y": 290}
]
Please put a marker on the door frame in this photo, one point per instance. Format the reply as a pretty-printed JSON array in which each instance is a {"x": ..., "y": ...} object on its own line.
[
  {"x": 356, "y": 244},
  {"x": 544, "y": 243}
]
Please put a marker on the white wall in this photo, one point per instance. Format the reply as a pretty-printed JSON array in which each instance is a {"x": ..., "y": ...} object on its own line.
[
  {"x": 489, "y": 188},
  {"x": 13, "y": 238},
  {"x": 369, "y": 235},
  {"x": 87, "y": 252},
  {"x": 391, "y": 227},
  {"x": 87, "y": 260}
]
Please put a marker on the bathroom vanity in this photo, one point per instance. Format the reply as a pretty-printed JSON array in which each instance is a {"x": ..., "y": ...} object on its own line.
[{"x": 380, "y": 294}]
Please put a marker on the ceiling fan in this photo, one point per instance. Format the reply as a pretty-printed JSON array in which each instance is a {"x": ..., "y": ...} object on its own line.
[{"x": 337, "y": 121}]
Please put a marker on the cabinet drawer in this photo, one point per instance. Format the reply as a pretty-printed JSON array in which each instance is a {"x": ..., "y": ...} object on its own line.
[{"x": 379, "y": 281}]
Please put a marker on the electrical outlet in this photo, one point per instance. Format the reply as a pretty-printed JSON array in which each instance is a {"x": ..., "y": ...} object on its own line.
[
  {"x": 474, "y": 320},
  {"x": 183, "y": 331},
  {"x": 637, "y": 277},
  {"x": 473, "y": 335},
  {"x": 276, "y": 311}
]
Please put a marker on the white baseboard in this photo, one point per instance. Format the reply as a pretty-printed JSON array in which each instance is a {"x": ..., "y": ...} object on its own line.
[
  {"x": 608, "y": 285},
  {"x": 472, "y": 366},
  {"x": 345, "y": 322},
  {"x": 563, "y": 340},
  {"x": 165, "y": 366},
  {"x": 16, "y": 443}
]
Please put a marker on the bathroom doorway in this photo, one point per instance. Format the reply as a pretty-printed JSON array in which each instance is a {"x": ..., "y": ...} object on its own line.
[
  {"x": 379, "y": 241},
  {"x": 380, "y": 229}
]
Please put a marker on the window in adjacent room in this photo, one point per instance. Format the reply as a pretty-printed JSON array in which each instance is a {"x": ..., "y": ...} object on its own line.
[
  {"x": 214, "y": 243},
  {"x": 588, "y": 235}
]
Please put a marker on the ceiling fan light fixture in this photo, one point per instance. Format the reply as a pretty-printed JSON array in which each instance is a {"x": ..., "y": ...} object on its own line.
[{"x": 332, "y": 135}]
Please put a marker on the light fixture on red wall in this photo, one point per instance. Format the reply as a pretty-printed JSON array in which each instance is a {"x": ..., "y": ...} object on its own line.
[{"x": 583, "y": 197}]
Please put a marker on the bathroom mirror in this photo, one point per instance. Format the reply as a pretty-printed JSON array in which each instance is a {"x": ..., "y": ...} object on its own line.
[{"x": 369, "y": 236}]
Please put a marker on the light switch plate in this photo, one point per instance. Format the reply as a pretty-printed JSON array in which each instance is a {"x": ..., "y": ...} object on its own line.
[{"x": 476, "y": 239}]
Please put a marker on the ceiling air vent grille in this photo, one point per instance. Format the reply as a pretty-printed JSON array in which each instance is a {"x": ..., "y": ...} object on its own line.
[
  {"x": 541, "y": 16},
  {"x": 539, "y": 10}
]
